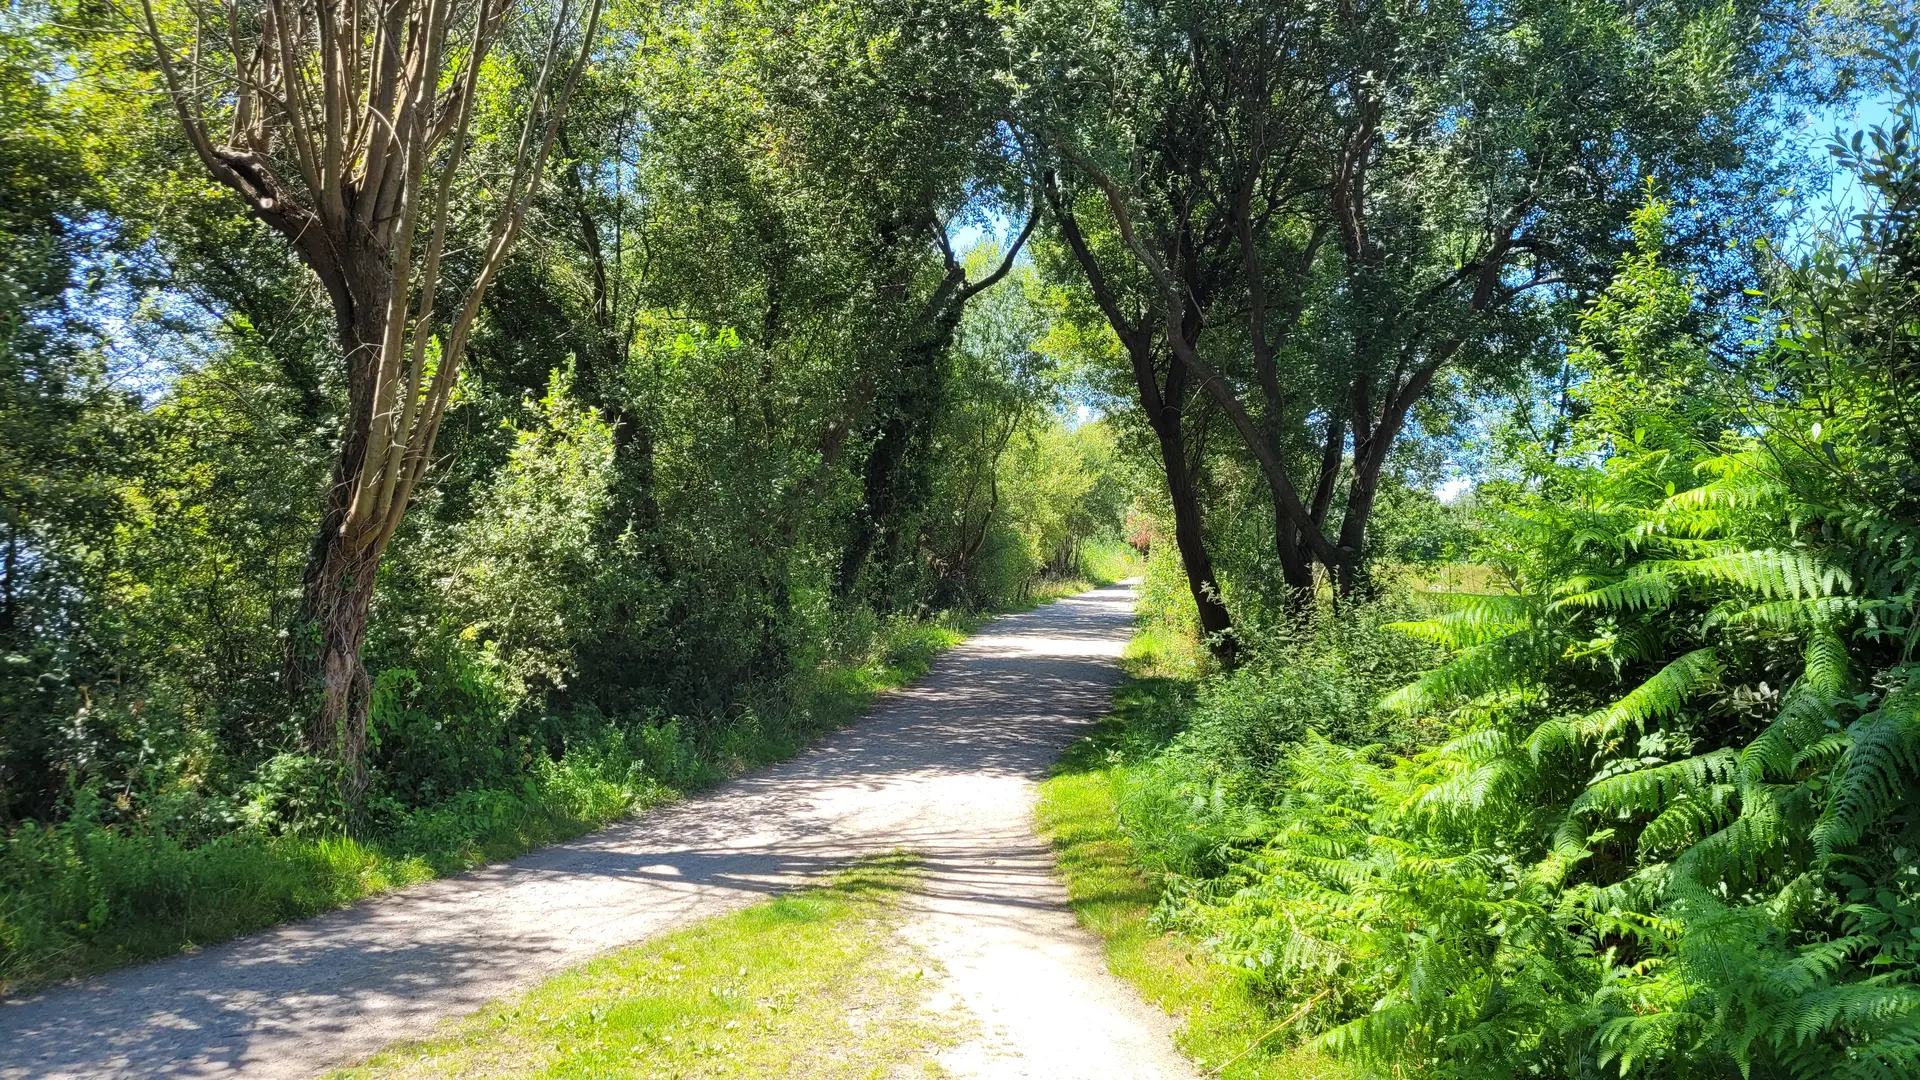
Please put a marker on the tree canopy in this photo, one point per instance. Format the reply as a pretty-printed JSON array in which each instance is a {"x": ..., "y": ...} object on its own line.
[{"x": 442, "y": 424}]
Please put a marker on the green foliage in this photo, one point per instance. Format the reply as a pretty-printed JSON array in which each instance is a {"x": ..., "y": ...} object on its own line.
[
  {"x": 1667, "y": 829},
  {"x": 84, "y": 894},
  {"x": 96, "y": 890},
  {"x": 1225, "y": 1023},
  {"x": 1193, "y": 802},
  {"x": 744, "y": 438},
  {"x": 735, "y": 329}
]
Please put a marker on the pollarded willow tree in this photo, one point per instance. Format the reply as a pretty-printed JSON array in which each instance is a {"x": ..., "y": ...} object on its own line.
[{"x": 349, "y": 127}]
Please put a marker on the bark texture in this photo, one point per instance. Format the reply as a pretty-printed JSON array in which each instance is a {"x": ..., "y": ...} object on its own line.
[{"x": 346, "y": 124}]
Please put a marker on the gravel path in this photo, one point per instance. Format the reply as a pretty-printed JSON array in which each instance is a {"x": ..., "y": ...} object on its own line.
[{"x": 946, "y": 767}]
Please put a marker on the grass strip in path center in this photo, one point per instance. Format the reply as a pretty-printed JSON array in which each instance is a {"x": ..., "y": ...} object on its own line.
[{"x": 813, "y": 985}]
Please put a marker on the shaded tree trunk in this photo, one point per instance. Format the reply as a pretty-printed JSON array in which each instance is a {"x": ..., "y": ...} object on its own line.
[
  {"x": 909, "y": 410},
  {"x": 1165, "y": 413},
  {"x": 889, "y": 490},
  {"x": 339, "y": 596},
  {"x": 337, "y": 584},
  {"x": 1190, "y": 538}
]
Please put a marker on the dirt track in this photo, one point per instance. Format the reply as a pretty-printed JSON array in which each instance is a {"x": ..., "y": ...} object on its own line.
[{"x": 946, "y": 768}]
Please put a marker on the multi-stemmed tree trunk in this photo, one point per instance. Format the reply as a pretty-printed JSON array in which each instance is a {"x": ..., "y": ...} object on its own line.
[
  {"x": 912, "y": 403},
  {"x": 345, "y": 126},
  {"x": 1163, "y": 400},
  {"x": 1284, "y": 182}
]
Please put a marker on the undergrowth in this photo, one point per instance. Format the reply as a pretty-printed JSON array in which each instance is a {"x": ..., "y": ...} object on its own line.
[
  {"x": 1226, "y": 1027},
  {"x": 89, "y": 894}
]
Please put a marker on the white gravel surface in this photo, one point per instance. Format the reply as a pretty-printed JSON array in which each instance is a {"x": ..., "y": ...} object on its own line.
[{"x": 946, "y": 767}]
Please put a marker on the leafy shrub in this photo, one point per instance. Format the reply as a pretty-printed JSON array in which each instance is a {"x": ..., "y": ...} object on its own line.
[
  {"x": 1108, "y": 560},
  {"x": 1197, "y": 802},
  {"x": 1165, "y": 601},
  {"x": 82, "y": 890},
  {"x": 1672, "y": 832}
]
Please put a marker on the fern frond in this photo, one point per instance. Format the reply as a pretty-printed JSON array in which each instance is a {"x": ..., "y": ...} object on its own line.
[
  {"x": 1473, "y": 619},
  {"x": 1471, "y": 790},
  {"x": 1825, "y": 751},
  {"x": 1690, "y": 546},
  {"x": 1660, "y": 696},
  {"x": 1875, "y": 773},
  {"x": 1687, "y": 819},
  {"x": 1827, "y": 661},
  {"x": 1647, "y": 790},
  {"x": 1637, "y": 896},
  {"x": 1792, "y": 614},
  {"x": 1854, "y": 1004},
  {"x": 1555, "y": 735},
  {"x": 1736, "y": 486},
  {"x": 1776, "y": 752},
  {"x": 1636, "y": 1040},
  {"x": 1635, "y": 592},
  {"x": 1479, "y": 744},
  {"x": 1777, "y": 574},
  {"x": 1875, "y": 531},
  {"x": 1817, "y": 963},
  {"x": 1518, "y": 657},
  {"x": 1734, "y": 853}
]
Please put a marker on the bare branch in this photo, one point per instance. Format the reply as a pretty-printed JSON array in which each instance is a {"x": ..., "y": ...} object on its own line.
[{"x": 1006, "y": 264}]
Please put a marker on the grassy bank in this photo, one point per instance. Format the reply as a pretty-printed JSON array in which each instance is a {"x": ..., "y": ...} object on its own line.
[
  {"x": 809, "y": 986},
  {"x": 82, "y": 896},
  {"x": 1225, "y": 1028}
]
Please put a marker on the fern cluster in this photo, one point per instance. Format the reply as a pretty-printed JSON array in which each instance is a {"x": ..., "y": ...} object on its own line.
[{"x": 1674, "y": 833}]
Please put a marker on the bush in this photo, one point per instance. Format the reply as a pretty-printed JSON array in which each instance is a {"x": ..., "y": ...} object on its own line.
[
  {"x": 79, "y": 893},
  {"x": 1671, "y": 832},
  {"x": 1106, "y": 561},
  {"x": 1197, "y": 798},
  {"x": 1166, "y": 602}
]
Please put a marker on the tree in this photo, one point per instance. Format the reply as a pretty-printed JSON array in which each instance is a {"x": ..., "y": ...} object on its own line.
[
  {"x": 347, "y": 129},
  {"x": 1350, "y": 201},
  {"x": 996, "y": 385},
  {"x": 1179, "y": 423},
  {"x": 893, "y": 478}
]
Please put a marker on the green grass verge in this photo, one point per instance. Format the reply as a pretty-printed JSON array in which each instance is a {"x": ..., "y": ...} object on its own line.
[
  {"x": 1224, "y": 1028},
  {"x": 808, "y": 986},
  {"x": 1108, "y": 561},
  {"x": 79, "y": 898}
]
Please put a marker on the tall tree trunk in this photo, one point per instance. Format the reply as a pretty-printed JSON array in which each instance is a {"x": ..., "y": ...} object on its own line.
[
  {"x": 339, "y": 595},
  {"x": 1371, "y": 446},
  {"x": 891, "y": 491},
  {"x": 1295, "y": 569},
  {"x": 874, "y": 523},
  {"x": 894, "y": 481},
  {"x": 1352, "y": 574},
  {"x": 1167, "y": 417},
  {"x": 337, "y": 585},
  {"x": 1164, "y": 408},
  {"x": 1215, "y": 623}
]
